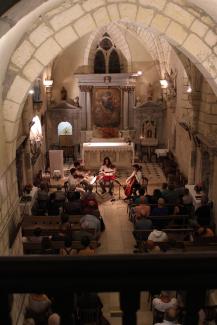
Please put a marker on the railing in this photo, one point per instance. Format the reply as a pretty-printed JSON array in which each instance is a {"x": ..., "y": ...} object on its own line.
[{"x": 127, "y": 274}]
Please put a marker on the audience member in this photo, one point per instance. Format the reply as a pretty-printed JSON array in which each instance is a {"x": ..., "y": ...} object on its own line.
[
  {"x": 36, "y": 238},
  {"x": 65, "y": 226},
  {"x": 155, "y": 196},
  {"x": 140, "y": 198},
  {"x": 39, "y": 303},
  {"x": 54, "y": 319},
  {"x": 89, "y": 195},
  {"x": 67, "y": 250},
  {"x": 170, "y": 195},
  {"x": 164, "y": 188},
  {"x": 73, "y": 206},
  {"x": 203, "y": 213},
  {"x": 158, "y": 235},
  {"x": 91, "y": 208},
  {"x": 205, "y": 232},
  {"x": 187, "y": 197},
  {"x": 160, "y": 210},
  {"x": 152, "y": 247},
  {"x": 89, "y": 221},
  {"x": 46, "y": 246},
  {"x": 60, "y": 195},
  {"x": 142, "y": 222},
  {"x": 143, "y": 209},
  {"x": 86, "y": 250},
  {"x": 164, "y": 302},
  {"x": 53, "y": 207}
]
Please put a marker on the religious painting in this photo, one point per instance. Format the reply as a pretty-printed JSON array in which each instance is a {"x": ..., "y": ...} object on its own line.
[{"x": 106, "y": 112}]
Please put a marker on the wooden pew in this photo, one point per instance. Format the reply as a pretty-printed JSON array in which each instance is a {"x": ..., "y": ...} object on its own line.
[
  {"x": 35, "y": 248},
  {"x": 169, "y": 220},
  {"x": 47, "y": 230},
  {"x": 48, "y": 220},
  {"x": 173, "y": 234}
]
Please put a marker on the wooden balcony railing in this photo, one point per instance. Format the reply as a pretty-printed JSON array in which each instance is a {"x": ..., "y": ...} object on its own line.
[{"x": 194, "y": 273}]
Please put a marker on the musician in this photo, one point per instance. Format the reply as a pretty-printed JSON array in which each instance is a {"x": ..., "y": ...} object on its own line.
[
  {"x": 135, "y": 180},
  {"x": 107, "y": 175}
]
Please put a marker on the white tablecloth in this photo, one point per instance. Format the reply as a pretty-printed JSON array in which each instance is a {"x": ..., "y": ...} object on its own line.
[
  {"x": 120, "y": 153},
  {"x": 26, "y": 207},
  {"x": 161, "y": 152},
  {"x": 196, "y": 197}
]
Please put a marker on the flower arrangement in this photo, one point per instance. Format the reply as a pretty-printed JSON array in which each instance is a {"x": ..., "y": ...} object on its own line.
[
  {"x": 27, "y": 188},
  {"x": 198, "y": 187}
]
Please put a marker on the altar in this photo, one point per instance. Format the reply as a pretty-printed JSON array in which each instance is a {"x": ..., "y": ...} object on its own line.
[{"x": 120, "y": 153}]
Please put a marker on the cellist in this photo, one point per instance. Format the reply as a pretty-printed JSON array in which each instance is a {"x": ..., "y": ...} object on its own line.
[{"x": 134, "y": 181}]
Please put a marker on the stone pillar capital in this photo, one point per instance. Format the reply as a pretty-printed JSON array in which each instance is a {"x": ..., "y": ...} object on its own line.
[
  {"x": 85, "y": 88},
  {"x": 128, "y": 88}
]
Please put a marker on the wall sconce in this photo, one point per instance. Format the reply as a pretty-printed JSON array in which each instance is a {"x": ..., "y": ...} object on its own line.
[
  {"x": 189, "y": 89},
  {"x": 164, "y": 83},
  {"x": 48, "y": 83},
  {"x": 139, "y": 73}
]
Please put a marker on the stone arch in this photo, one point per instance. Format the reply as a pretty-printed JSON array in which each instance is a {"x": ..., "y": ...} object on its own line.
[{"x": 58, "y": 27}]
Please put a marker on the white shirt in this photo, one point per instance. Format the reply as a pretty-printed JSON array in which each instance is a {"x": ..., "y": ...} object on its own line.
[
  {"x": 73, "y": 182},
  {"x": 158, "y": 236},
  {"x": 138, "y": 176},
  {"x": 159, "y": 305},
  {"x": 107, "y": 170}
]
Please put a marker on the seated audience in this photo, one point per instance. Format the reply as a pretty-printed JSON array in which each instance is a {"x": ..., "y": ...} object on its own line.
[
  {"x": 43, "y": 196},
  {"x": 39, "y": 303},
  {"x": 73, "y": 206},
  {"x": 203, "y": 213},
  {"x": 160, "y": 210},
  {"x": 89, "y": 221},
  {"x": 179, "y": 208},
  {"x": 67, "y": 250},
  {"x": 53, "y": 207},
  {"x": 65, "y": 226},
  {"x": 170, "y": 317},
  {"x": 158, "y": 235},
  {"x": 86, "y": 250},
  {"x": 164, "y": 302}
]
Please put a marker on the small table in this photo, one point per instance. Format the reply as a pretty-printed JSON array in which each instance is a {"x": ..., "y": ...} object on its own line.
[
  {"x": 161, "y": 152},
  {"x": 26, "y": 207}
]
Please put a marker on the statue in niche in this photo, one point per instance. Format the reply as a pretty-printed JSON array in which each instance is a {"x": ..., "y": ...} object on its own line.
[
  {"x": 150, "y": 92},
  {"x": 75, "y": 101},
  {"x": 149, "y": 130},
  {"x": 171, "y": 79},
  {"x": 138, "y": 101},
  {"x": 63, "y": 93}
]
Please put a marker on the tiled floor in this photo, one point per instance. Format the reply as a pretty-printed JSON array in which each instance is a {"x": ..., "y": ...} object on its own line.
[{"x": 118, "y": 239}]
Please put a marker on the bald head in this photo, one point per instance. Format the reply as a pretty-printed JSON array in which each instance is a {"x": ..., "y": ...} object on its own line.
[{"x": 54, "y": 319}]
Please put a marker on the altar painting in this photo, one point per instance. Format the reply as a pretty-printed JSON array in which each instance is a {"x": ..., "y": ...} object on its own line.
[{"x": 106, "y": 112}]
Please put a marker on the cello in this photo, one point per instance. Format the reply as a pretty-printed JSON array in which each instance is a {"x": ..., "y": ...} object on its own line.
[{"x": 129, "y": 188}]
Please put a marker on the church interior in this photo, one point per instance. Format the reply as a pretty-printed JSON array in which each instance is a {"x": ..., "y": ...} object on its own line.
[{"x": 108, "y": 162}]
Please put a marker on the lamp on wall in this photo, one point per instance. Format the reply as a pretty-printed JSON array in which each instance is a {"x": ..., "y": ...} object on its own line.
[{"x": 48, "y": 83}]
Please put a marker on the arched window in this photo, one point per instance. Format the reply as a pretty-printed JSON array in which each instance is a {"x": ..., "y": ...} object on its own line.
[
  {"x": 114, "y": 62},
  {"x": 64, "y": 128},
  {"x": 107, "y": 59},
  {"x": 99, "y": 62}
]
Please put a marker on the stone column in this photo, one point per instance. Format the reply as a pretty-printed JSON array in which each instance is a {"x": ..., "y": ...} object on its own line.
[
  {"x": 127, "y": 90},
  {"x": 131, "y": 107},
  {"x": 89, "y": 107},
  {"x": 192, "y": 164},
  {"x": 82, "y": 101}
]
